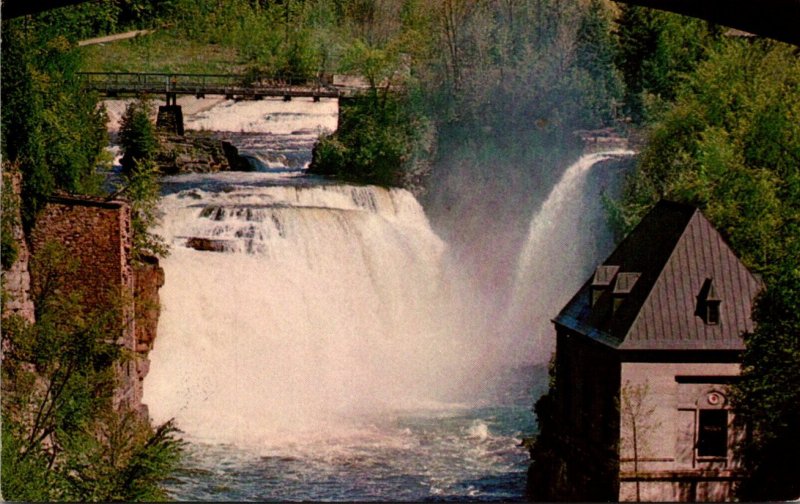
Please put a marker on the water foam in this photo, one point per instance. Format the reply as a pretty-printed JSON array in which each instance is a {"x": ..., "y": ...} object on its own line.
[{"x": 325, "y": 303}]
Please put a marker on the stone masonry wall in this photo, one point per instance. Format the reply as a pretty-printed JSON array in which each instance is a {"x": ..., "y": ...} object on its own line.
[
  {"x": 17, "y": 280},
  {"x": 97, "y": 233}
]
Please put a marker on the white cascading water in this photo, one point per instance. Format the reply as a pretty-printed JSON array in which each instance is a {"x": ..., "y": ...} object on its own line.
[
  {"x": 329, "y": 302},
  {"x": 568, "y": 235},
  {"x": 319, "y": 341},
  {"x": 319, "y": 304}
]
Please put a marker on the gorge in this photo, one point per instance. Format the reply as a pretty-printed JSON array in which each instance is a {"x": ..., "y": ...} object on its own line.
[{"x": 320, "y": 341}]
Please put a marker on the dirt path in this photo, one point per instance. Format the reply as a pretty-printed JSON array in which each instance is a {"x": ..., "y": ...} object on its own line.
[{"x": 114, "y": 38}]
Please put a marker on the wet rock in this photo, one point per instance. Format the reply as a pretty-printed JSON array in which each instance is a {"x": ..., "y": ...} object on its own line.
[
  {"x": 194, "y": 152},
  {"x": 235, "y": 161},
  {"x": 207, "y": 244}
]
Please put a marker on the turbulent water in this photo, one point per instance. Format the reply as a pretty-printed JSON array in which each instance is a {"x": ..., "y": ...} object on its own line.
[{"x": 318, "y": 342}]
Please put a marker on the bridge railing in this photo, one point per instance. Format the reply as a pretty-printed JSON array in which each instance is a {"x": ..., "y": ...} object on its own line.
[{"x": 184, "y": 83}]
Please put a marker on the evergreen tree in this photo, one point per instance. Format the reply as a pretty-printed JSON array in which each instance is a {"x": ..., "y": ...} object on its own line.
[
  {"x": 137, "y": 135},
  {"x": 655, "y": 50}
]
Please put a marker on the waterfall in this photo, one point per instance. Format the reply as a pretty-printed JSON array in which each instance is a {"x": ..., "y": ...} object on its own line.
[
  {"x": 293, "y": 307},
  {"x": 288, "y": 308},
  {"x": 567, "y": 236}
]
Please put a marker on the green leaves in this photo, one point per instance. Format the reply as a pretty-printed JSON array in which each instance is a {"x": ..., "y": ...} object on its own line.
[
  {"x": 730, "y": 145},
  {"x": 51, "y": 128},
  {"x": 137, "y": 135},
  {"x": 768, "y": 396},
  {"x": 140, "y": 144},
  {"x": 63, "y": 439},
  {"x": 378, "y": 141},
  {"x": 143, "y": 191}
]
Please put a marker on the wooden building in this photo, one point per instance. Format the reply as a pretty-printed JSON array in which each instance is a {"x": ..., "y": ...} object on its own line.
[{"x": 645, "y": 351}]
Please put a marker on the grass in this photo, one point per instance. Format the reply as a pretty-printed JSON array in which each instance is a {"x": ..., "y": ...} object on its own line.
[{"x": 162, "y": 51}]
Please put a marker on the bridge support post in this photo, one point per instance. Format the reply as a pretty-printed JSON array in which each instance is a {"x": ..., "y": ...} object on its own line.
[{"x": 170, "y": 119}]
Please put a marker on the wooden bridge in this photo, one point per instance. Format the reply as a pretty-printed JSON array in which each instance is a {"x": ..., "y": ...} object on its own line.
[{"x": 230, "y": 86}]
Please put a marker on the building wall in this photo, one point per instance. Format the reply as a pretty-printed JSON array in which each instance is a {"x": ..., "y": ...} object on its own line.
[
  {"x": 663, "y": 401},
  {"x": 97, "y": 234},
  {"x": 587, "y": 381}
]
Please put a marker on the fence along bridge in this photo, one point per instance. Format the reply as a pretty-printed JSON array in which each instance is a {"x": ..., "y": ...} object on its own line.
[{"x": 230, "y": 86}]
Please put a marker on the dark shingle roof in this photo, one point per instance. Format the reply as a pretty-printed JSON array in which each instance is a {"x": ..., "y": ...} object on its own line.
[{"x": 664, "y": 264}]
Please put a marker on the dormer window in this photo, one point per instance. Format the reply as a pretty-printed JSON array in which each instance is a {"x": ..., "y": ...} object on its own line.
[
  {"x": 708, "y": 302},
  {"x": 623, "y": 286},
  {"x": 712, "y": 313},
  {"x": 603, "y": 277}
]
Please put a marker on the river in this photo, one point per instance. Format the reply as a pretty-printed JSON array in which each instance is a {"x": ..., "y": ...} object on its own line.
[{"x": 318, "y": 341}]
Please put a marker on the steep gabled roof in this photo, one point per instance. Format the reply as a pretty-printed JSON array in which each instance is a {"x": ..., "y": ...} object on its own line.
[{"x": 664, "y": 264}]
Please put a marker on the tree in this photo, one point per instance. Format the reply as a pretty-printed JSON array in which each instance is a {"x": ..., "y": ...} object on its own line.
[
  {"x": 636, "y": 425},
  {"x": 713, "y": 149},
  {"x": 63, "y": 438},
  {"x": 140, "y": 183},
  {"x": 51, "y": 128},
  {"x": 595, "y": 54},
  {"x": 379, "y": 141},
  {"x": 655, "y": 49},
  {"x": 137, "y": 135},
  {"x": 142, "y": 188},
  {"x": 767, "y": 399}
]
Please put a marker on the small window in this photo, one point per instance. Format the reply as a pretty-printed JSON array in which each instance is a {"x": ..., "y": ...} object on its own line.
[
  {"x": 712, "y": 316},
  {"x": 712, "y": 435}
]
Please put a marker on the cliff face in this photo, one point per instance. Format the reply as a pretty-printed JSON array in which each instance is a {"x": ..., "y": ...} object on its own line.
[{"x": 148, "y": 278}]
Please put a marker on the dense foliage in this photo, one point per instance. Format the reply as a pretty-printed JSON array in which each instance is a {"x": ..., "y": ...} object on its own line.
[
  {"x": 51, "y": 129},
  {"x": 375, "y": 140},
  {"x": 63, "y": 438},
  {"x": 140, "y": 144},
  {"x": 137, "y": 135},
  {"x": 768, "y": 397},
  {"x": 655, "y": 51},
  {"x": 730, "y": 144}
]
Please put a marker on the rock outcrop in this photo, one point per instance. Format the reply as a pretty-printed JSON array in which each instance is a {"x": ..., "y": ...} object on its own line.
[
  {"x": 207, "y": 244},
  {"x": 194, "y": 152},
  {"x": 148, "y": 277},
  {"x": 16, "y": 279},
  {"x": 235, "y": 161}
]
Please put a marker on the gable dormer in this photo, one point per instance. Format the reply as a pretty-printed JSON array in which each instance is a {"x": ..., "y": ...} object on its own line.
[
  {"x": 601, "y": 281},
  {"x": 708, "y": 303},
  {"x": 622, "y": 287}
]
